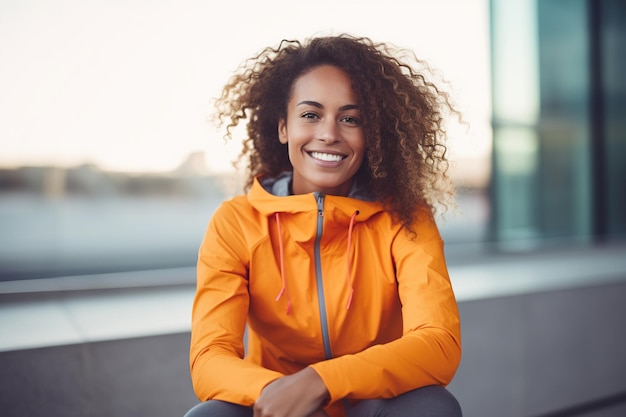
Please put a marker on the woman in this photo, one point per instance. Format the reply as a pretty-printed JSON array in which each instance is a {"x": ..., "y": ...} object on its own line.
[{"x": 332, "y": 259}]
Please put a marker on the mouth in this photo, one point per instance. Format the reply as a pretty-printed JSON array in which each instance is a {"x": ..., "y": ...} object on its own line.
[{"x": 327, "y": 157}]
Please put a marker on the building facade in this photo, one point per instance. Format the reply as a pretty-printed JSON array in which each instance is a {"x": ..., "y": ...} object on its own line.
[{"x": 559, "y": 122}]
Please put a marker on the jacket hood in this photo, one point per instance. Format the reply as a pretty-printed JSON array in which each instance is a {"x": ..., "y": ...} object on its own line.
[{"x": 272, "y": 195}]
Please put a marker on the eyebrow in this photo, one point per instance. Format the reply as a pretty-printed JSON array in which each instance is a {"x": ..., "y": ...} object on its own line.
[{"x": 320, "y": 106}]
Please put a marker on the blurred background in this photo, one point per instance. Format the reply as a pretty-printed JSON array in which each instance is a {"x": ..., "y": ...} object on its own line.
[
  {"x": 110, "y": 171},
  {"x": 107, "y": 159}
]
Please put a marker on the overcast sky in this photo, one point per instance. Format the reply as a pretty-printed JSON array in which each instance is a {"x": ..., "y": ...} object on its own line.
[{"x": 126, "y": 84}]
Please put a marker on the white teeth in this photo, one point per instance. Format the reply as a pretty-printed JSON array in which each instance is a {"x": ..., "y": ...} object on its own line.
[{"x": 330, "y": 157}]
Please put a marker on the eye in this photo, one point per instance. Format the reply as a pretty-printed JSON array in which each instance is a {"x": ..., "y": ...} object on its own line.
[
  {"x": 350, "y": 120},
  {"x": 309, "y": 115}
]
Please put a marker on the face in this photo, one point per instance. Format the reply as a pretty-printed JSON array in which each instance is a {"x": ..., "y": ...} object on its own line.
[{"x": 323, "y": 132}]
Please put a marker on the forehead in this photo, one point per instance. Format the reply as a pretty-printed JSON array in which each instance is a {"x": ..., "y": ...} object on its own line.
[{"x": 323, "y": 82}]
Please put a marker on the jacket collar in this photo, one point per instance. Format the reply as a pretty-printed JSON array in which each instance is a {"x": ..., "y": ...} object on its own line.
[
  {"x": 281, "y": 187},
  {"x": 272, "y": 195}
]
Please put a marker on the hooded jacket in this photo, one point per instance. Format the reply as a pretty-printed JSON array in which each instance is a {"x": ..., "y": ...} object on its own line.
[{"x": 323, "y": 281}]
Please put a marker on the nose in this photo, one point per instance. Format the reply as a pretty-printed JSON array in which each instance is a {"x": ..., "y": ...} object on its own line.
[{"x": 328, "y": 131}]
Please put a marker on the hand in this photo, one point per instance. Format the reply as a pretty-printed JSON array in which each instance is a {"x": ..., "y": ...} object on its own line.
[{"x": 299, "y": 395}]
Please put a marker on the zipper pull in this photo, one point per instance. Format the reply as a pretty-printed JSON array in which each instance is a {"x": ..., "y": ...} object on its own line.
[{"x": 320, "y": 204}]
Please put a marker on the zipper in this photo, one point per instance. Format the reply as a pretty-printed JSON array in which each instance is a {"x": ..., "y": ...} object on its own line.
[{"x": 319, "y": 197}]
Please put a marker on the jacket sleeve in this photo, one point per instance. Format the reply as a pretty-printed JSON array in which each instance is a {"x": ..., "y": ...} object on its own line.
[
  {"x": 429, "y": 351},
  {"x": 219, "y": 315}
]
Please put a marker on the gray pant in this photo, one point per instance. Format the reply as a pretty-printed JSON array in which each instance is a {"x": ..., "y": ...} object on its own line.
[{"x": 431, "y": 401}]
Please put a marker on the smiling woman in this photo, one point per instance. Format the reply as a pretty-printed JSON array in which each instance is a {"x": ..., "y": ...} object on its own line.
[
  {"x": 332, "y": 260},
  {"x": 323, "y": 132}
]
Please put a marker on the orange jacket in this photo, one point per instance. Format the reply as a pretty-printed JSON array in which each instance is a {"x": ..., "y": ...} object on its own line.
[{"x": 323, "y": 281}]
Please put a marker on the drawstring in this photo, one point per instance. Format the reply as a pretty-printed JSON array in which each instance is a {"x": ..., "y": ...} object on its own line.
[
  {"x": 282, "y": 266},
  {"x": 283, "y": 278},
  {"x": 349, "y": 260}
]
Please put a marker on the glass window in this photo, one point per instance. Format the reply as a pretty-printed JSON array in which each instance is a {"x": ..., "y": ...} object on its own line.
[
  {"x": 542, "y": 164},
  {"x": 613, "y": 58}
]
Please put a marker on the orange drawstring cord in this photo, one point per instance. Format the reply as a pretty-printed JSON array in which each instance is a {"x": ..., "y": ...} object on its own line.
[
  {"x": 349, "y": 260},
  {"x": 282, "y": 266},
  {"x": 284, "y": 289}
]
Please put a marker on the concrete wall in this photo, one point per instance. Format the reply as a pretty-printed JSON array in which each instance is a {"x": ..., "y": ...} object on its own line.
[
  {"x": 558, "y": 353},
  {"x": 124, "y": 378},
  {"x": 537, "y": 354}
]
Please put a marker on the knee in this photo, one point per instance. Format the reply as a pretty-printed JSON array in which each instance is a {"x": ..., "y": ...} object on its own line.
[
  {"x": 215, "y": 408},
  {"x": 195, "y": 411},
  {"x": 200, "y": 410},
  {"x": 439, "y": 402},
  {"x": 429, "y": 401}
]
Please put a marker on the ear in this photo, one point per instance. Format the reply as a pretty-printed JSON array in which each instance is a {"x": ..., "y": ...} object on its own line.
[{"x": 282, "y": 131}]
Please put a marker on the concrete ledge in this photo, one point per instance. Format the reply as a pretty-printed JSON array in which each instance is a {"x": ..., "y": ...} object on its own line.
[
  {"x": 524, "y": 356},
  {"x": 102, "y": 307},
  {"x": 541, "y": 335},
  {"x": 63, "y": 318}
]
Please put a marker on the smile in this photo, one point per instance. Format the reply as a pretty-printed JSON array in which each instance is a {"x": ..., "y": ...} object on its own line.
[{"x": 328, "y": 157}]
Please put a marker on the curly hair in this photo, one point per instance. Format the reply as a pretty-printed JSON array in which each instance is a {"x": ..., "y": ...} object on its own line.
[{"x": 403, "y": 121}]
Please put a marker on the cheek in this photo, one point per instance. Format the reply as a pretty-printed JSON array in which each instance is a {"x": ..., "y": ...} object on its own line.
[
  {"x": 359, "y": 146},
  {"x": 293, "y": 151}
]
